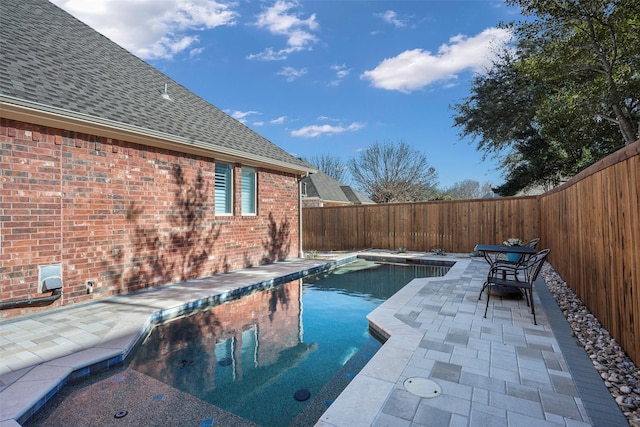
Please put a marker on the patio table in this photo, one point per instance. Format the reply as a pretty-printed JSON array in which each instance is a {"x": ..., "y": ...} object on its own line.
[{"x": 490, "y": 254}]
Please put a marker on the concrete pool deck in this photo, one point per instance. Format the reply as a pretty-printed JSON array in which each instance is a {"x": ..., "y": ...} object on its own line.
[{"x": 498, "y": 371}]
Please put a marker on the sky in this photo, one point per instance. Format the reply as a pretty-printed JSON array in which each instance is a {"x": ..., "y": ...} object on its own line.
[{"x": 325, "y": 76}]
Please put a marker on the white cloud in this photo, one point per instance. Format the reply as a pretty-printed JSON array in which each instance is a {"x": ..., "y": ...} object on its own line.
[
  {"x": 414, "y": 69},
  {"x": 241, "y": 116},
  {"x": 280, "y": 20},
  {"x": 341, "y": 73},
  {"x": 318, "y": 130},
  {"x": 270, "y": 55},
  {"x": 155, "y": 28},
  {"x": 291, "y": 73},
  {"x": 391, "y": 17},
  {"x": 278, "y": 121},
  {"x": 195, "y": 52}
]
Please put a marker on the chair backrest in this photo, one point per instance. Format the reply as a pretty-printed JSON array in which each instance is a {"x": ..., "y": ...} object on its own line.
[
  {"x": 534, "y": 264},
  {"x": 533, "y": 243}
]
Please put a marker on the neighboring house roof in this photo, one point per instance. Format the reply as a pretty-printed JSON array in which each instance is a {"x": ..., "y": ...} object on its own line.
[
  {"x": 326, "y": 188},
  {"x": 57, "y": 71}
]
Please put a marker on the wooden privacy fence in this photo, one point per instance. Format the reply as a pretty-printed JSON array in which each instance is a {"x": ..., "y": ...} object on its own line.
[
  {"x": 591, "y": 224},
  {"x": 454, "y": 226}
]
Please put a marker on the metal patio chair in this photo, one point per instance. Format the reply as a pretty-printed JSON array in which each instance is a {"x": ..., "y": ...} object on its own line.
[
  {"x": 501, "y": 265},
  {"x": 524, "y": 275}
]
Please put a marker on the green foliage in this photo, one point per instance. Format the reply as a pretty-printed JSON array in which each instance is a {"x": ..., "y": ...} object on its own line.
[
  {"x": 441, "y": 197},
  {"x": 565, "y": 96},
  {"x": 590, "y": 51},
  {"x": 311, "y": 255}
]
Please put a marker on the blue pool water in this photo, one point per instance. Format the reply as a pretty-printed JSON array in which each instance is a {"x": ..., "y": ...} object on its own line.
[
  {"x": 254, "y": 365},
  {"x": 250, "y": 356}
]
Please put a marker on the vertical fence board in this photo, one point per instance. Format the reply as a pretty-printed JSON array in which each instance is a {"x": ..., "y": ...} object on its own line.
[{"x": 631, "y": 272}]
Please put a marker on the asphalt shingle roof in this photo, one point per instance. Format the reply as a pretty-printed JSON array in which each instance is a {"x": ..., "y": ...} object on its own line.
[
  {"x": 327, "y": 188},
  {"x": 50, "y": 58}
]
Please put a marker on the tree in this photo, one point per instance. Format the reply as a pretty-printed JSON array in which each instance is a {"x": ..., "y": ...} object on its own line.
[
  {"x": 468, "y": 189},
  {"x": 501, "y": 116},
  {"x": 394, "y": 172},
  {"x": 331, "y": 165},
  {"x": 592, "y": 48},
  {"x": 567, "y": 95}
]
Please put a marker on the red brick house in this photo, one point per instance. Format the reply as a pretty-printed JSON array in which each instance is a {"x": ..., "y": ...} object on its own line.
[{"x": 115, "y": 177}]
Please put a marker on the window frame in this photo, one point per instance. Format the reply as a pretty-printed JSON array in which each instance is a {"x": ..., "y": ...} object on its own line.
[
  {"x": 253, "y": 191},
  {"x": 228, "y": 188}
]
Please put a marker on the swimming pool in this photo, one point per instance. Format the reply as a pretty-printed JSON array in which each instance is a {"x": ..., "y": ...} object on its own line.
[{"x": 258, "y": 356}]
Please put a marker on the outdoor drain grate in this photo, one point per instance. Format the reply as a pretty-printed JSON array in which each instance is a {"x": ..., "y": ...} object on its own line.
[{"x": 423, "y": 387}]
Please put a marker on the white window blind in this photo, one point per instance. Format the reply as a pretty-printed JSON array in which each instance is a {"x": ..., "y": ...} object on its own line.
[
  {"x": 248, "y": 190},
  {"x": 224, "y": 189}
]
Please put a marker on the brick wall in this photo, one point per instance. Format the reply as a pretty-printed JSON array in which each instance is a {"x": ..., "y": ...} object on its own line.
[{"x": 125, "y": 216}]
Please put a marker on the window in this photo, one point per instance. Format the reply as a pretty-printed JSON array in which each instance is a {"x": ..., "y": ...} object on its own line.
[
  {"x": 248, "y": 191},
  {"x": 224, "y": 189}
]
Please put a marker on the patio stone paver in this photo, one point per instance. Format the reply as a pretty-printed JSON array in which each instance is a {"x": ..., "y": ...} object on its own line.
[{"x": 498, "y": 371}]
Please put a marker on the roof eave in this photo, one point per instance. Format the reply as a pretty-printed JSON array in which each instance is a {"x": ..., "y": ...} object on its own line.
[{"x": 44, "y": 115}]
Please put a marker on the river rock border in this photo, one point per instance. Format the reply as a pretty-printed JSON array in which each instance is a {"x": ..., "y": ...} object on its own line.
[{"x": 618, "y": 371}]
